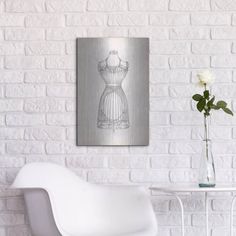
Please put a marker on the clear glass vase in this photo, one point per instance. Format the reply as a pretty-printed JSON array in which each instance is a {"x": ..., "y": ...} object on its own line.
[{"x": 207, "y": 177}]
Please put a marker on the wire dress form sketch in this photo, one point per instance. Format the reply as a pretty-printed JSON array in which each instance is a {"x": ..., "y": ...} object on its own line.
[{"x": 113, "y": 112}]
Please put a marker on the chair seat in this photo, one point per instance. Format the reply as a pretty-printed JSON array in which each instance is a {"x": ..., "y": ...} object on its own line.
[
  {"x": 140, "y": 233},
  {"x": 137, "y": 233}
]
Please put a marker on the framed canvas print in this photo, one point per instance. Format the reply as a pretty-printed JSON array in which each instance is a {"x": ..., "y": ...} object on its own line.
[{"x": 112, "y": 91}]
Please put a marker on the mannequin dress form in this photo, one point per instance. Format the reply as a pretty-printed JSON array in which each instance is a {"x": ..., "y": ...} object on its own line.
[{"x": 113, "y": 110}]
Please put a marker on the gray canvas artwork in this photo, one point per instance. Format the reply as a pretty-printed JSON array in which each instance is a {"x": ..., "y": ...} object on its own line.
[{"x": 112, "y": 91}]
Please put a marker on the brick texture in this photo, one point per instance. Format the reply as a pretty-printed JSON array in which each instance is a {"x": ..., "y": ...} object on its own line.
[{"x": 38, "y": 108}]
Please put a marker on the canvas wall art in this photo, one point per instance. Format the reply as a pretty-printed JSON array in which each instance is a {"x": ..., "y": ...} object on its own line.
[{"x": 112, "y": 91}]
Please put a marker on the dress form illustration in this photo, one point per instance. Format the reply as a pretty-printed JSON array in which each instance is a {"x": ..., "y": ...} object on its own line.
[{"x": 113, "y": 110}]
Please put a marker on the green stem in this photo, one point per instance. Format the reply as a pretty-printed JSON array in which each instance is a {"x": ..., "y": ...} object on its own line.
[{"x": 206, "y": 130}]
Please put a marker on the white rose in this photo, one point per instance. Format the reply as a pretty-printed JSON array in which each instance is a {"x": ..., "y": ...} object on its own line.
[{"x": 205, "y": 78}]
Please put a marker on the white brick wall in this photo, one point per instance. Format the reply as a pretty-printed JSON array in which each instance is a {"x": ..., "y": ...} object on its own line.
[{"x": 37, "y": 98}]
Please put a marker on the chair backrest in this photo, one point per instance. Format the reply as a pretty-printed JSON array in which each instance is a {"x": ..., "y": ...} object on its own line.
[
  {"x": 81, "y": 208},
  {"x": 46, "y": 175}
]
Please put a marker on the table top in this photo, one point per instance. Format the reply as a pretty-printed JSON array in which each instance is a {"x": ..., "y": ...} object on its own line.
[{"x": 193, "y": 188}]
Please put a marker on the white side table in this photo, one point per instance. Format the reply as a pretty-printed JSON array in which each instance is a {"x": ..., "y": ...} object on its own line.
[{"x": 177, "y": 190}]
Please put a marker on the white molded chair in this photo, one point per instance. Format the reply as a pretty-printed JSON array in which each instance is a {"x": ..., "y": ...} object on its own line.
[{"x": 59, "y": 203}]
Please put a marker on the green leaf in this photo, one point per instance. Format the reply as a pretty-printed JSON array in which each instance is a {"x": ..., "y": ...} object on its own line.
[
  {"x": 221, "y": 104},
  {"x": 206, "y": 94},
  {"x": 201, "y": 104},
  {"x": 213, "y": 106},
  {"x": 197, "y": 97},
  {"x": 228, "y": 111},
  {"x": 210, "y": 103}
]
